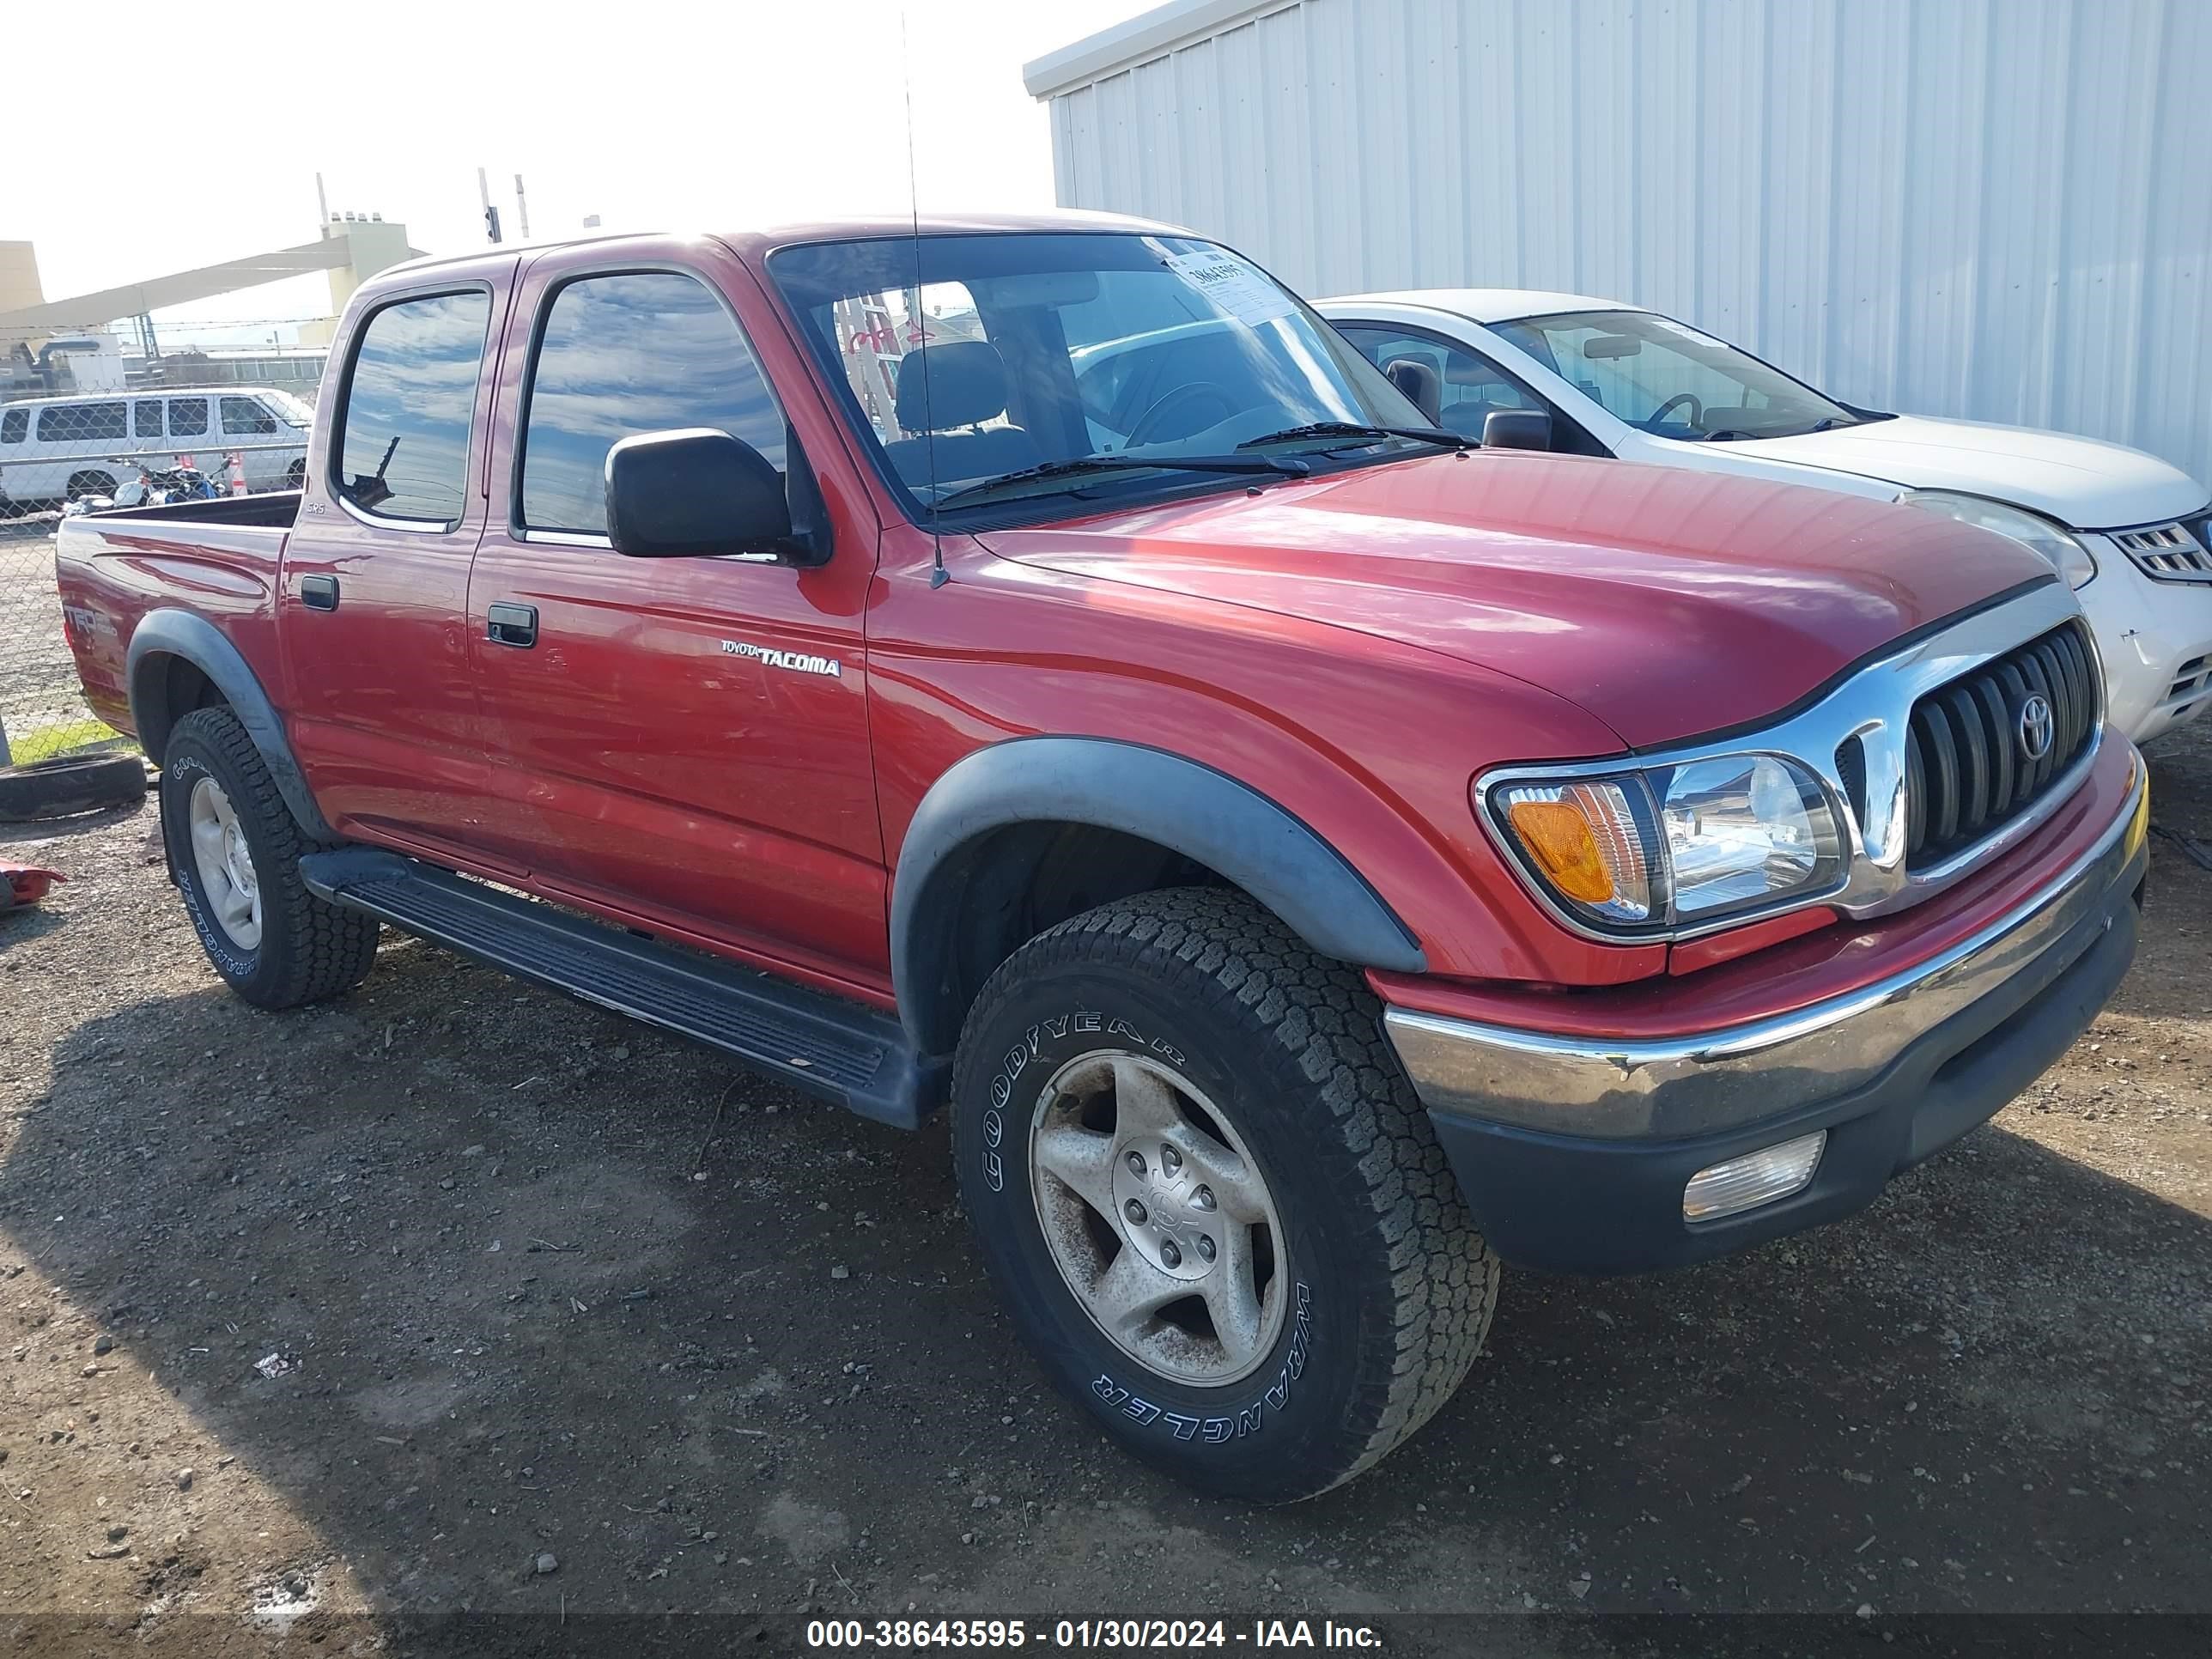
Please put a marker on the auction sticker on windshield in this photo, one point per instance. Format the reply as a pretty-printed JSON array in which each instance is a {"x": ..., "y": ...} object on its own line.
[{"x": 1234, "y": 286}]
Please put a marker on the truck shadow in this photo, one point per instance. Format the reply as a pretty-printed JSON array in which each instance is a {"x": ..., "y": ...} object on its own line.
[{"x": 468, "y": 1210}]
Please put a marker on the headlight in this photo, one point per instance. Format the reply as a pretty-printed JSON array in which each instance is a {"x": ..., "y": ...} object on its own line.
[
  {"x": 2065, "y": 554},
  {"x": 1638, "y": 854}
]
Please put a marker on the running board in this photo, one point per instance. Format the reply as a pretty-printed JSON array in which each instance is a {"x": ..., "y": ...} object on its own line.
[{"x": 840, "y": 1050}]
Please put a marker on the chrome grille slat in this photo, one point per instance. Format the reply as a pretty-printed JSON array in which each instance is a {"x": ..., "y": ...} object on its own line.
[
  {"x": 2009, "y": 772},
  {"x": 1973, "y": 759},
  {"x": 2031, "y": 674},
  {"x": 1963, "y": 748}
]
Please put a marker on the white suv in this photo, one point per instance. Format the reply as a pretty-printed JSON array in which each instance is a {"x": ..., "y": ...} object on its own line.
[
  {"x": 2131, "y": 534},
  {"x": 56, "y": 449}
]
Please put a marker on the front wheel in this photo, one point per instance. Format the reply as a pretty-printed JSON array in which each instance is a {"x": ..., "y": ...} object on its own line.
[
  {"x": 1201, "y": 1182},
  {"x": 234, "y": 849}
]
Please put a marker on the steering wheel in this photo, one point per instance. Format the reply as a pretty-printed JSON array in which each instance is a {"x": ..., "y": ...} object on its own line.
[
  {"x": 1697, "y": 417},
  {"x": 1191, "y": 391}
]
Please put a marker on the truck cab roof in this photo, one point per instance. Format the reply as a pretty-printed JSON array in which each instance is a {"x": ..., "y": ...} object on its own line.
[{"x": 859, "y": 227}]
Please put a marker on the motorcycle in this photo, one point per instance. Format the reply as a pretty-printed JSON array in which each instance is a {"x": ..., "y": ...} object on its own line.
[{"x": 155, "y": 486}]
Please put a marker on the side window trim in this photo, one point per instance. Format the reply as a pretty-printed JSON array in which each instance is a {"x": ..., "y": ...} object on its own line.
[
  {"x": 1445, "y": 342},
  {"x": 527, "y": 386},
  {"x": 334, "y": 460}
]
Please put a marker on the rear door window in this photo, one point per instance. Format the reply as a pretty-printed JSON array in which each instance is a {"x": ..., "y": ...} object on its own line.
[
  {"x": 13, "y": 424},
  {"x": 643, "y": 351},
  {"x": 80, "y": 423},
  {"x": 243, "y": 416},
  {"x": 187, "y": 417},
  {"x": 403, "y": 440}
]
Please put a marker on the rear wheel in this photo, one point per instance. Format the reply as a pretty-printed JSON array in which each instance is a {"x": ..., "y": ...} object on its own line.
[
  {"x": 234, "y": 849},
  {"x": 1202, "y": 1184},
  {"x": 295, "y": 476}
]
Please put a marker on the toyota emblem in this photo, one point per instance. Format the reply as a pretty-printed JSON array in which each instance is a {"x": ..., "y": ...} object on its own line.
[{"x": 2035, "y": 727}]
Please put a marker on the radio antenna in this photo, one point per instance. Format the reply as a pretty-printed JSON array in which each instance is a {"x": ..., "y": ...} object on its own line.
[{"x": 915, "y": 321}]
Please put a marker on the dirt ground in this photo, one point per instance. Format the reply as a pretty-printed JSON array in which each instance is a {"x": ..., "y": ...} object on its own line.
[{"x": 572, "y": 1321}]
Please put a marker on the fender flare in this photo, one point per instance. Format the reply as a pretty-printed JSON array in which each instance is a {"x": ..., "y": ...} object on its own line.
[
  {"x": 180, "y": 634},
  {"x": 1180, "y": 804}
]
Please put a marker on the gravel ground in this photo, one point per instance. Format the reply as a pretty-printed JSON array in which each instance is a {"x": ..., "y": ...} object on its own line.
[{"x": 569, "y": 1320}]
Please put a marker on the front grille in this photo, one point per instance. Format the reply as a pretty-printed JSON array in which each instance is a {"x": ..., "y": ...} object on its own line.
[
  {"x": 1968, "y": 771},
  {"x": 2177, "y": 552}
]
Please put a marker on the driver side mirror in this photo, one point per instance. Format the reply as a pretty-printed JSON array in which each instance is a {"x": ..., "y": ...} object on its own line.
[
  {"x": 695, "y": 492},
  {"x": 1516, "y": 429}
]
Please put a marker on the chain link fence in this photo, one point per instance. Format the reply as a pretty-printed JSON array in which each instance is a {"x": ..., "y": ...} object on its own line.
[{"x": 84, "y": 426}]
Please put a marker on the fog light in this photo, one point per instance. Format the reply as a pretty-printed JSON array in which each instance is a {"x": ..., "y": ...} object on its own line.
[{"x": 1756, "y": 1178}]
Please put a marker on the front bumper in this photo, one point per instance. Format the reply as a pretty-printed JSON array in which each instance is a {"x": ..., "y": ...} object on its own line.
[
  {"x": 2156, "y": 641},
  {"x": 1573, "y": 1153}
]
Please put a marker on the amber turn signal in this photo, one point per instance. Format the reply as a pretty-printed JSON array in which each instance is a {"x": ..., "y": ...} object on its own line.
[
  {"x": 1558, "y": 838},
  {"x": 1583, "y": 841}
]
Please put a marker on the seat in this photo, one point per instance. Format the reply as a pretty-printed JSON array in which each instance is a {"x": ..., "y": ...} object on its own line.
[{"x": 945, "y": 393}]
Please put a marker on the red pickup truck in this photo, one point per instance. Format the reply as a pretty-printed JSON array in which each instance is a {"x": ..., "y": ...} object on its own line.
[{"x": 1036, "y": 665}]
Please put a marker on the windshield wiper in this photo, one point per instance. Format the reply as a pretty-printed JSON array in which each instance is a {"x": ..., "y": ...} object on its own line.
[
  {"x": 1830, "y": 422},
  {"x": 1079, "y": 464},
  {"x": 1424, "y": 435},
  {"x": 1726, "y": 435}
]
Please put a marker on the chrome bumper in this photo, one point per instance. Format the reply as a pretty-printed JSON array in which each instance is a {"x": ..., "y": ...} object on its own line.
[{"x": 1702, "y": 1082}]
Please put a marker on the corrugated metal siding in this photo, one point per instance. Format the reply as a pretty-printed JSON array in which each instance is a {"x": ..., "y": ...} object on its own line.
[{"x": 1997, "y": 208}]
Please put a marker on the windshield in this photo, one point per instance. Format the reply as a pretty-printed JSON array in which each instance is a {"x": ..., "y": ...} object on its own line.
[
  {"x": 1077, "y": 359},
  {"x": 291, "y": 410},
  {"x": 1670, "y": 380}
]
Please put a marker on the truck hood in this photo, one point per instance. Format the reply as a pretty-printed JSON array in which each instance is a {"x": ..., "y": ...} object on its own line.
[
  {"x": 2080, "y": 481},
  {"x": 1666, "y": 602}
]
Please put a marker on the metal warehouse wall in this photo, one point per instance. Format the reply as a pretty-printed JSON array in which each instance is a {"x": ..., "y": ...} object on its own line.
[{"x": 1995, "y": 209}]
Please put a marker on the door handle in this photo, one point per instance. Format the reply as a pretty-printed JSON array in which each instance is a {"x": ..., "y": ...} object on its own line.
[
  {"x": 320, "y": 593},
  {"x": 506, "y": 623}
]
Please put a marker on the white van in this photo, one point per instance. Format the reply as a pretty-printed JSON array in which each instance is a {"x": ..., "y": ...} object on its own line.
[{"x": 56, "y": 449}]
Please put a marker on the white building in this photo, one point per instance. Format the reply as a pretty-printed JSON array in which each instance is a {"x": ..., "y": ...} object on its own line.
[{"x": 1994, "y": 209}]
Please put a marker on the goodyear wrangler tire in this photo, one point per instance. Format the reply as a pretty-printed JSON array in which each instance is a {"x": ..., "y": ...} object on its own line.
[
  {"x": 234, "y": 848},
  {"x": 1203, "y": 1186}
]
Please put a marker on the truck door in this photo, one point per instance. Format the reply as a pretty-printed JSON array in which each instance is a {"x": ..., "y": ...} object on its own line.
[
  {"x": 680, "y": 740},
  {"x": 373, "y": 614}
]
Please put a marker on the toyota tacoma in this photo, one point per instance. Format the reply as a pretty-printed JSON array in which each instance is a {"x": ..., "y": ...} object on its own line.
[{"x": 1038, "y": 668}]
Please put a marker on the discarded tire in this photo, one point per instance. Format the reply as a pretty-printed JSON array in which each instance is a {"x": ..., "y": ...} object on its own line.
[{"x": 69, "y": 784}]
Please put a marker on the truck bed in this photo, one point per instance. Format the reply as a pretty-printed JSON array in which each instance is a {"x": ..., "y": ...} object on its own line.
[
  {"x": 274, "y": 510},
  {"x": 219, "y": 557}
]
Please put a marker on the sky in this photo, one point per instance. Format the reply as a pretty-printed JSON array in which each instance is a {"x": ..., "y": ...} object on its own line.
[{"x": 652, "y": 114}]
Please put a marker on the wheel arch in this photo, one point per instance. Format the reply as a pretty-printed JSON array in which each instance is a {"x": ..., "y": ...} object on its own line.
[
  {"x": 1133, "y": 794},
  {"x": 166, "y": 644}
]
